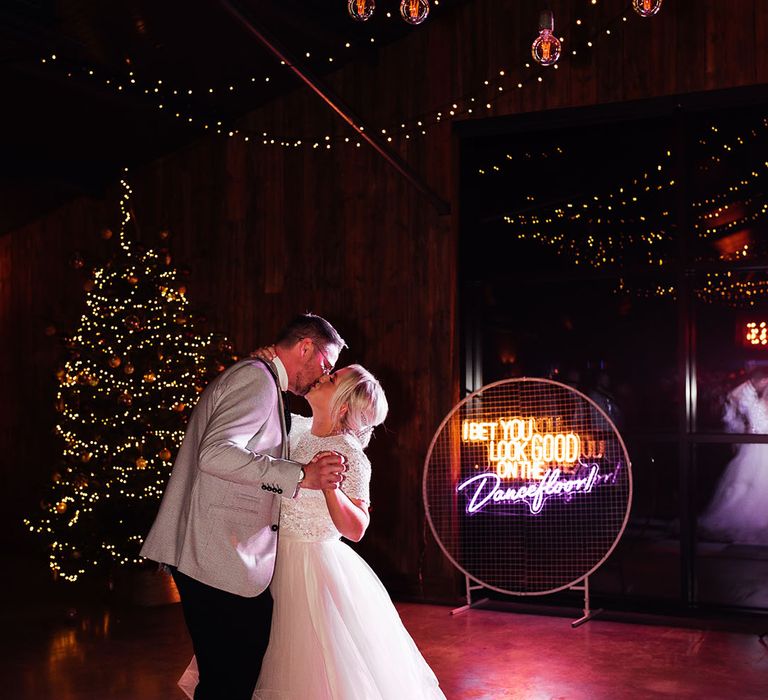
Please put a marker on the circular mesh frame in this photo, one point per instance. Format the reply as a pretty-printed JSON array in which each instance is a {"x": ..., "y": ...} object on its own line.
[{"x": 527, "y": 486}]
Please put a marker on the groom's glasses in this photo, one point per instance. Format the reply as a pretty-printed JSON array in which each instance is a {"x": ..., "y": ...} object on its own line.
[{"x": 326, "y": 366}]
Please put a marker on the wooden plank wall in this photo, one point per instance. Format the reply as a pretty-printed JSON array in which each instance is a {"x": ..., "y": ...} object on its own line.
[{"x": 268, "y": 231}]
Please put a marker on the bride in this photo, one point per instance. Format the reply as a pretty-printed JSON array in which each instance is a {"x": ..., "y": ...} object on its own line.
[
  {"x": 335, "y": 633},
  {"x": 738, "y": 511}
]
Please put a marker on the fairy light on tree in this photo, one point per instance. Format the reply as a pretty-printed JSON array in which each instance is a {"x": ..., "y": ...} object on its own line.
[{"x": 135, "y": 367}]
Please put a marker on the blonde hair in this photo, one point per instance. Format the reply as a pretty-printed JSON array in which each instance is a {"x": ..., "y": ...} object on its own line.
[{"x": 366, "y": 405}]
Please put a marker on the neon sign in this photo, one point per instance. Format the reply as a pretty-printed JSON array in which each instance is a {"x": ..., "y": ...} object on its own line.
[
  {"x": 521, "y": 448},
  {"x": 548, "y": 459},
  {"x": 488, "y": 487}
]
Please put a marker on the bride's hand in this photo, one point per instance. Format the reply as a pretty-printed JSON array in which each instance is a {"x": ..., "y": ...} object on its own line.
[{"x": 265, "y": 353}]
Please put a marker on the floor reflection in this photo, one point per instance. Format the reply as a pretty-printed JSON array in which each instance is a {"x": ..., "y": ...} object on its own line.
[{"x": 137, "y": 653}]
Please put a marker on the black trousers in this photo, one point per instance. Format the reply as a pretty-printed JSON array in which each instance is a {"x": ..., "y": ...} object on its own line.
[{"x": 229, "y": 635}]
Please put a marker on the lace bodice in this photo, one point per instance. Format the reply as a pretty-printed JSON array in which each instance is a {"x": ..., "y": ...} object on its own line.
[
  {"x": 306, "y": 517},
  {"x": 746, "y": 411}
]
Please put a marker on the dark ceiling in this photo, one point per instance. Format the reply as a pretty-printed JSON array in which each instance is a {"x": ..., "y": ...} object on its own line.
[{"x": 71, "y": 123}]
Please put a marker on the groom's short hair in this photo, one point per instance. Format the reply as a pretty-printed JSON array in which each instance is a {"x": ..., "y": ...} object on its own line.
[{"x": 311, "y": 326}]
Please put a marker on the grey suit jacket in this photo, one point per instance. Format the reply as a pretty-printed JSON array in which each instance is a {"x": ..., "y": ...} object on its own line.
[{"x": 220, "y": 512}]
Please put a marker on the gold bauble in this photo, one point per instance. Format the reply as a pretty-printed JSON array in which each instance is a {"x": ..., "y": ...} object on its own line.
[
  {"x": 179, "y": 407},
  {"x": 132, "y": 279},
  {"x": 129, "y": 368},
  {"x": 106, "y": 234},
  {"x": 164, "y": 454},
  {"x": 93, "y": 380},
  {"x": 114, "y": 361},
  {"x": 141, "y": 463},
  {"x": 125, "y": 398},
  {"x": 150, "y": 377},
  {"x": 85, "y": 457},
  {"x": 61, "y": 507},
  {"x": 181, "y": 319}
]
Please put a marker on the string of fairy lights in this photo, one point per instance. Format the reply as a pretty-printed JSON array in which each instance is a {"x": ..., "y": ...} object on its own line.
[
  {"x": 733, "y": 290},
  {"x": 136, "y": 366},
  {"x": 612, "y": 208},
  {"x": 170, "y": 98},
  {"x": 724, "y": 215},
  {"x": 612, "y": 212},
  {"x": 479, "y": 100}
]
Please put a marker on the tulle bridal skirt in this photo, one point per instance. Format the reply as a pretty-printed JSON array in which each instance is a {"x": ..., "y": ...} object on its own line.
[
  {"x": 335, "y": 633},
  {"x": 738, "y": 511}
]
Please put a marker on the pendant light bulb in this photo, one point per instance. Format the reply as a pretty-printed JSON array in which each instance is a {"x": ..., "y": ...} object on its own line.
[
  {"x": 361, "y": 10},
  {"x": 414, "y": 11},
  {"x": 646, "y": 8},
  {"x": 546, "y": 47}
]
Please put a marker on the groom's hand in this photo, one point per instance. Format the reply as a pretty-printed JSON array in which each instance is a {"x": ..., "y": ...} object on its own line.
[{"x": 325, "y": 471}]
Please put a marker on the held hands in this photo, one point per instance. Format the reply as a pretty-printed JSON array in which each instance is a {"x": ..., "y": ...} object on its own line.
[{"x": 325, "y": 471}]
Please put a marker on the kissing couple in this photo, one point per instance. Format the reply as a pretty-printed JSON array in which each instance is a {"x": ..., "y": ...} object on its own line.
[{"x": 250, "y": 526}]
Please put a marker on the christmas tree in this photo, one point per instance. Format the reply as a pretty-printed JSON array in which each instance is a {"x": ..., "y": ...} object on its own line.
[{"x": 135, "y": 368}]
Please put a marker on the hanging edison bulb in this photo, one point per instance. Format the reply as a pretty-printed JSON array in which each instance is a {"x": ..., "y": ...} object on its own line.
[
  {"x": 414, "y": 11},
  {"x": 546, "y": 47},
  {"x": 646, "y": 8},
  {"x": 361, "y": 10}
]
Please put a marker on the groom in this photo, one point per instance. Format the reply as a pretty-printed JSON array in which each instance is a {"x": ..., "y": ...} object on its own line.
[{"x": 218, "y": 520}]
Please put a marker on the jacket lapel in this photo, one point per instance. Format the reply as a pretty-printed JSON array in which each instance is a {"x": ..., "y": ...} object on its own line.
[{"x": 286, "y": 447}]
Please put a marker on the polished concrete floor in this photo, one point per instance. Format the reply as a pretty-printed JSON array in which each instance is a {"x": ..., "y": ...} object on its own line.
[{"x": 136, "y": 653}]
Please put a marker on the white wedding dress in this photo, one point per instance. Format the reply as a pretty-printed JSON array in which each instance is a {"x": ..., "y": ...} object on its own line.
[
  {"x": 335, "y": 633},
  {"x": 738, "y": 511}
]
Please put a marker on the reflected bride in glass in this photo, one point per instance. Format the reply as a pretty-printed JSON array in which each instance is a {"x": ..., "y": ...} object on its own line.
[{"x": 738, "y": 511}]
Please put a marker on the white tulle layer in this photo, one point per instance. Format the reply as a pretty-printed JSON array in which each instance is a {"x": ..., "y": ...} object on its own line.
[
  {"x": 335, "y": 633},
  {"x": 738, "y": 511}
]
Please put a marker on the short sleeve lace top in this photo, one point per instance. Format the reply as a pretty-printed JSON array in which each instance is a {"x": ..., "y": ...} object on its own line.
[{"x": 306, "y": 517}]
